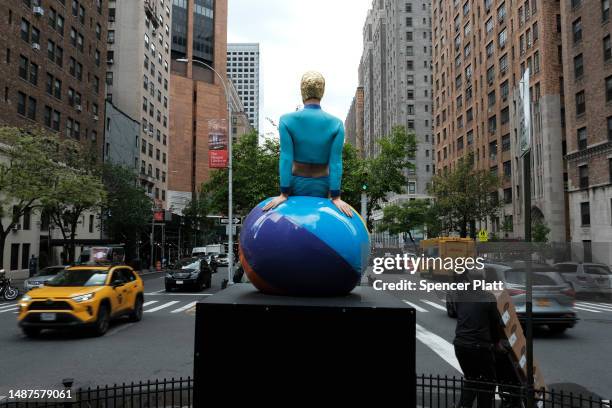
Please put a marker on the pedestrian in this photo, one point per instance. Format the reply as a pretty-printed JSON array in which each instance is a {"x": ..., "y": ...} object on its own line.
[
  {"x": 33, "y": 265},
  {"x": 476, "y": 337}
]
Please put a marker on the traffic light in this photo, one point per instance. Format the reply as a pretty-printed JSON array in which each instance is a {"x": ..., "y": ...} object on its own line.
[{"x": 364, "y": 187}]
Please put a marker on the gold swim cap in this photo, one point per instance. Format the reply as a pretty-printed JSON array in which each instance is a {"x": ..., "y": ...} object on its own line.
[{"x": 313, "y": 86}]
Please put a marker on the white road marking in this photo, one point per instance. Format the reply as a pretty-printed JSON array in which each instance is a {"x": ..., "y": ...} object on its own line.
[
  {"x": 439, "y": 346},
  {"x": 416, "y": 307},
  {"x": 178, "y": 294},
  {"x": 8, "y": 310},
  {"x": 145, "y": 304},
  {"x": 187, "y": 306},
  {"x": 165, "y": 305},
  {"x": 587, "y": 310},
  {"x": 433, "y": 304},
  {"x": 601, "y": 306},
  {"x": 9, "y": 305}
]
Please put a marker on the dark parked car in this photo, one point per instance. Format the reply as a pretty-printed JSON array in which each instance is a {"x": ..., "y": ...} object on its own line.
[
  {"x": 194, "y": 273},
  {"x": 588, "y": 279},
  {"x": 553, "y": 297}
]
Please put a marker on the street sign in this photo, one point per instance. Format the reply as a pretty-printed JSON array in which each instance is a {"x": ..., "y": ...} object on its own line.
[
  {"x": 227, "y": 230},
  {"x": 225, "y": 221}
]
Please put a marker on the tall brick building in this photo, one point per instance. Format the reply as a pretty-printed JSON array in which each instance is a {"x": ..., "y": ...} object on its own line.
[
  {"x": 52, "y": 66},
  {"x": 52, "y": 70},
  {"x": 480, "y": 51},
  {"x": 199, "y": 34},
  {"x": 587, "y": 58}
]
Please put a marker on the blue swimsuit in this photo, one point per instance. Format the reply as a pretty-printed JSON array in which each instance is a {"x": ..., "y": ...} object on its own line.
[{"x": 315, "y": 137}]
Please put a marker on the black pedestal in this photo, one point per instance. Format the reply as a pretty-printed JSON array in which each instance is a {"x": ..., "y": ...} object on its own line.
[{"x": 256, "y": 347}]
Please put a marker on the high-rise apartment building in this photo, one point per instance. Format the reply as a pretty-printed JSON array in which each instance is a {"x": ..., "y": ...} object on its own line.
[
  {"x": 353, "y": 125},
  {"x": 52, "y": 67},
  {"x": 199, "y": 41},
  {"x": 138, "y": 81},
  {"x": 52, "y": 71},
  {"x": 243, "y": 70},
  {"x": 480, "y": 52},
  {"x": 587, "y": 59},
  {"x": 395, "y": 73}
]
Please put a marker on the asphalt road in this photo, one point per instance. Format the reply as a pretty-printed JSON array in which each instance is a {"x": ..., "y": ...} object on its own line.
[
  {"x": 580, "y": 357},
  {"x": 161, "y": 345}
]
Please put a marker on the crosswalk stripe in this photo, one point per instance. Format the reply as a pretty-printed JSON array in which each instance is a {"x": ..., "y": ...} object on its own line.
[
  {"x": 432, "y": 304},
  {"x": 587, "y": 310},
  {"x": 145, "y": 304},
  {"x": 596, "y": 305},
  {"x": 165, "y": 305},
  {"x": 187, "y": 306},
  {"x": 8, "y": 310},
  {"x": 440, "y": 346},
  {"x": 9, "y": 305},
  {"x": 416, "y": 307}
]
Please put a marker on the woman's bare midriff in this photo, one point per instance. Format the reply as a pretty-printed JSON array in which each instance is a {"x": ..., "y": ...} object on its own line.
[{"x": 310, "y": 169}]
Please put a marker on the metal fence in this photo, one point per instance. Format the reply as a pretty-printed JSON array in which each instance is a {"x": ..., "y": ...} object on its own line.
[
  {"x": 446, "y": 392},
  {"x": 432, "y": 392}
]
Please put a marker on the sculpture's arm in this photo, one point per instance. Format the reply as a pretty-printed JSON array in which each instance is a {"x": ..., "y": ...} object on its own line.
[
  {"x": 286, "y": 158},
  {"x": 335, "y": 162}
]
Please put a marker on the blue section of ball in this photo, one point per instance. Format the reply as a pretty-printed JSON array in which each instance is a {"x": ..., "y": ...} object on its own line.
[{"x": 305, "y": 247}]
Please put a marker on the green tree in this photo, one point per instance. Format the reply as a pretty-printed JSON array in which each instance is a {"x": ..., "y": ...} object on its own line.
[
  {"x": 255, "y": 177},
  {"x": 385, "y": 173},
  {"x": 539, "y": 231},
  {"x": 404, "y": 218},
  {"x": 127, "y": 209},
  {"x": 76, "y": 187},
  {"x": 27, "y": 165},
  {"x": 465, "y": 195}
]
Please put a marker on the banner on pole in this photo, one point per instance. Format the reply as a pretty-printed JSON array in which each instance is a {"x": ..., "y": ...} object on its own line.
[
  {"x": 217, "y": 144},
  {"x": 524, "y": 114}
]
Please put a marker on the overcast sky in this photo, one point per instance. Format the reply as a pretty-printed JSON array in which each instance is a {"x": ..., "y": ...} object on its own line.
[{"x": 296, "y": 36}]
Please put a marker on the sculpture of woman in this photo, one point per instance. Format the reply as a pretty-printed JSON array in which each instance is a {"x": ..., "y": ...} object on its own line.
[{"x": 311, "y": 142}]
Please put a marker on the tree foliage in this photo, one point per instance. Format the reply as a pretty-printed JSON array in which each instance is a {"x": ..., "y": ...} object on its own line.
[
  {"x": 127, "y": 209},
  {"x": 405, "y": 218},
  {"x": 27, "y": 167},
  {"x": 464, "y": 195}
]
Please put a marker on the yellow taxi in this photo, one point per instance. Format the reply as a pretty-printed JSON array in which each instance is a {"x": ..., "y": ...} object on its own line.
[{"x": 83, "y": 296}]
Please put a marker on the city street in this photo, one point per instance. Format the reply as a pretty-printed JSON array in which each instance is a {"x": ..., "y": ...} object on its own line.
[{"x": 161, "y": 345}]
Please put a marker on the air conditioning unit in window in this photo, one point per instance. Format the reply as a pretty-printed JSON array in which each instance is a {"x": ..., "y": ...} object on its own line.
[
  {"x": 16, "y": 227},
  {"x": 38, "y": 11},
  {"x": 110, "y": 61},
  {"x": 36, "y": 46},
  {"x": 95, "y": 117},
  {"x": 79, "y": 108}
]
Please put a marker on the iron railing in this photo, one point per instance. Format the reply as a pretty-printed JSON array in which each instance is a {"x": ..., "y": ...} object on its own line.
[{"x": 432, "y": 392}]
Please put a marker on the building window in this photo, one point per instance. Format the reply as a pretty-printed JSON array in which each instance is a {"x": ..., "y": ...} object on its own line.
[
  {"x": 582, "y": 139},
  {"x": 581, "y": 103},
  {"x": 583, "y": 175},
  {"x": 609, "y": 89},
  {"x": 14, "y": 257},
  {"x": 578, "y": 66},
  {"x": 609, "y": 120},
  {"x": 605, "y": 10},
  {"x": 21, "y": 103},
  {"x": 507, "y": 168},
  {"x": 607, "y": 48},
  {"x": 508, "y": 196},
  {"x": 577, "y": 30},
  {"x": 585, "y": 214}
]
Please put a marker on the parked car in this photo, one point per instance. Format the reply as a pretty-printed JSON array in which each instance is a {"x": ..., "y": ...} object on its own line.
[
  {"x": 588, "y": 279},
  {"x": 192, "y": 273},
  {"x": 221, "y": 260},
  {"x": 44, "y": 275},
  {"x": 553, "y": 297},
  {"x": 85, "y": 297}
]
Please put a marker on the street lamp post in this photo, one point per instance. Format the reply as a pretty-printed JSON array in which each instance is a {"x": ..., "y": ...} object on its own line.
[{"x": 230, "y": 232}]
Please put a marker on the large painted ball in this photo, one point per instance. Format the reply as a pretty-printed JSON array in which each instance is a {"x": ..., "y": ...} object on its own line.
[{"x": 304, "y": 247}]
